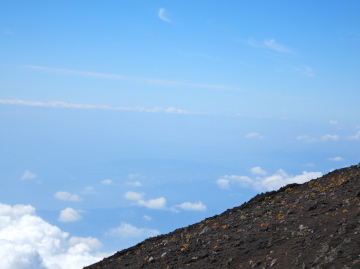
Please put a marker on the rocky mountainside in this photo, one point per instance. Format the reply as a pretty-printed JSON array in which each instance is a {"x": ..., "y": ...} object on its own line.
[{"x": 312, "y": 225}]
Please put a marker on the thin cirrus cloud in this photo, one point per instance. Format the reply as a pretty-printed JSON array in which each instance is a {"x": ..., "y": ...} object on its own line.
[
  {"x": 149, "y": 81},
  {"x": 163, "y": 15},
  {"x": 254, "y": 135},
  {"x": 272, "y": 44},
  {"x": 337, "y": 159},
  {"x": 171, "y": 110},
  {"x": 269, "y": 43}
]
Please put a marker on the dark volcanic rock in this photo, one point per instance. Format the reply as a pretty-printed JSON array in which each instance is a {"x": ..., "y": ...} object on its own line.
[{"x": 312, "y": 225}]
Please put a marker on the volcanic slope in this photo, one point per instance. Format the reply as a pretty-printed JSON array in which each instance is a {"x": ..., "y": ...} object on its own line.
[{"x": 312, "y": 225}]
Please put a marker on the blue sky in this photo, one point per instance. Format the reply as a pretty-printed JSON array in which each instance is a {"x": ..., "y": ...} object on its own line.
[{"x": 126, "y": 119}]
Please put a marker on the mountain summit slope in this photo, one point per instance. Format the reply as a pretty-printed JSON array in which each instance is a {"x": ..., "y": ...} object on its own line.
[{"x": 312, "y": 225}]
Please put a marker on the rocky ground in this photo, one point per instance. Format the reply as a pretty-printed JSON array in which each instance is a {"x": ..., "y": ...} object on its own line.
[{"x": 312, "y": 225}]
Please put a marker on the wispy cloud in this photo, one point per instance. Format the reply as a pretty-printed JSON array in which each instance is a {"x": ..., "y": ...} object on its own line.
[
  {"x": 254, "y": 135},
  {"x": 172, "y": 110},
  {"x": 267, "y": 44},
  {"x": 355, "y": 137},
  {"x": 150, "y": 81},
  {"x": 304, "y": 70},
  {"x": 323, "y": 138},
  {"x": 272, "y": 44},
  {"x": 337, "y": 159},
  {"x": 163, "y": 15}
]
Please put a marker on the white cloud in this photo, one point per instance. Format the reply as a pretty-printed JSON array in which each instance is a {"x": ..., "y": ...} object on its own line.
[
  {"x": 199, "y": 206},
  {"x": 272, "y": 44},
  {"x": 29, "y": 242},
  {"x": 254, "y": 135},
  {"x": 131, "y": 195},
  {"x": 336, "y": 159},
  {"x": 329, "y": 137},
  {"x": 171, "y": 110},
  {"x": 132, "y": 176},
  {"x": 333, "y": 122},
  {"x": 134, "y": 184},
  {"x": 146, "y": 217},
  {"x": 151, "y": 81},
  {"x": 65, "y": 196},
  {"x": 273, "y": 182},
  {"x": 107, "y": 182},
  {"x": 323, "y": 138},
  {"x": 355, "y": 137},
  {"x": 304, "y": 70},
  {"x": 258, "y": 171},
  {"x": 126, "y": 230},
  {"x": 28, "y": 175},
  {"x": 223, "y": 183},
  {"x": 69, "y": 215},
  {"x": 157, "y": 203},
  {"x": 163, "y": 15},
  {"x": 303, "y": 137},
  {"x": 88, "y": 190}
]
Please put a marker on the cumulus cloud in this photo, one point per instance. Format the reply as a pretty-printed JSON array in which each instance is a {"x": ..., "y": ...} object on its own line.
[
  {"x": 333, "y": 122},
  {"x": 336, "y": 159},
  {"x": 69, "y": 215},
  {"x": 355, "y": 137},
  {"x": 199, "y": 206},
  {"x": 127, "y": 230},
  {"x": 28, "y": 175},
  {"x": 254, "y": 135},
  {"x": 258, "y": 171},
  {"x": 163, "y": 15},
  {"x": 157, "y": 203},
  {"x": 131, "y": 195},
  {"x": 65, "y": 196},
  {"x": 266, "y": 183},
  {"x": 107, "y": 182},
  {"x": 29, "y": 242}
]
